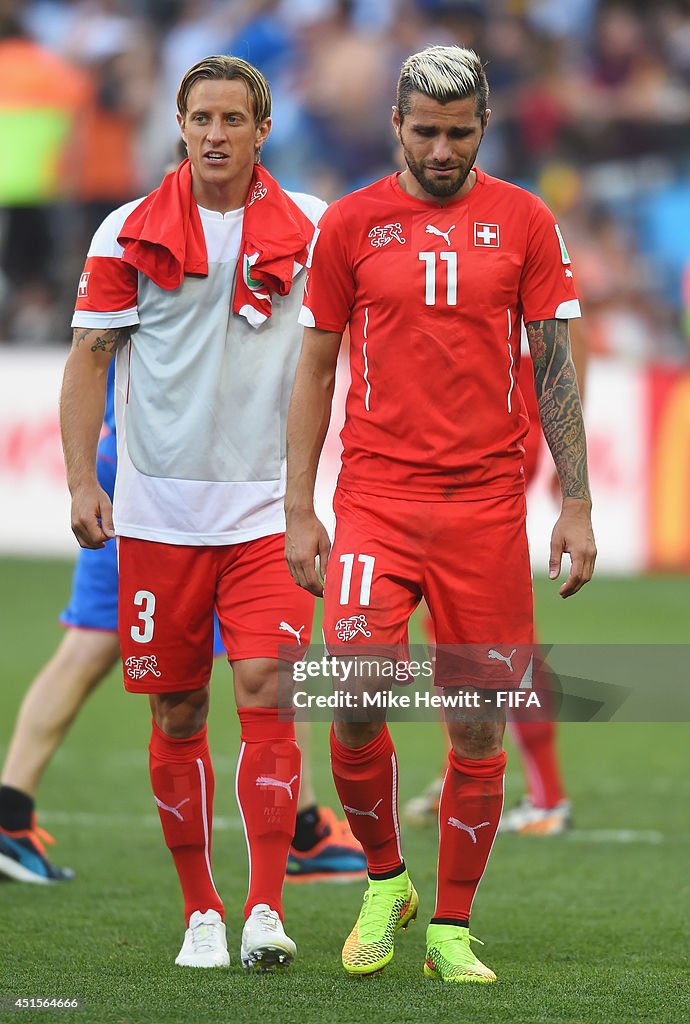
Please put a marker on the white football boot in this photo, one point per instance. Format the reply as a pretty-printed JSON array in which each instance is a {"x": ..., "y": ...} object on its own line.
[
  {"x": 527, "y": 820},
  {"x": 205, "y": 942},
  {"x": 265, "y": 946}
]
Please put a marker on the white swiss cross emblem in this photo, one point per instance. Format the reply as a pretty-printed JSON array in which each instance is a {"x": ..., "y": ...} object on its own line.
[
  {"x": 487, "y": 235},
  {"x": 84, "y": 284}
]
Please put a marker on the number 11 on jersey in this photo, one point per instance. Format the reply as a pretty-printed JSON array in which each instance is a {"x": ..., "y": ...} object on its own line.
[{"x": 451, "y": 261}]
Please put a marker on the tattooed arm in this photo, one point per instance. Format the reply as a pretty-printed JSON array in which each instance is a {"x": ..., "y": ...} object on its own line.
[
  {"x": 82, "y": 405},
  {"x": 561, "y": 419}
]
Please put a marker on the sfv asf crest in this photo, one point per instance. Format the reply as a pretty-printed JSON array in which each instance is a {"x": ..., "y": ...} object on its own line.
[
  {"x": 347, "y": 629},
  {"x": 383, "y": 234},
  {"x": 137, "y": 668}
]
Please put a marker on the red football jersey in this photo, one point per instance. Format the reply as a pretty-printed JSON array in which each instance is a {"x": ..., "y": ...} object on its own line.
[{"x": 434, "y": 297}]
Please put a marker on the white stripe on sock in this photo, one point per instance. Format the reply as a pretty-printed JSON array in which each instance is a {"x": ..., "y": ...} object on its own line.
[
  {"x": 396, "y": 821},
  {"x": 204, "y": 818},
  {"x": 438, "y": 858},
  {"x": 239, "y": 804}
]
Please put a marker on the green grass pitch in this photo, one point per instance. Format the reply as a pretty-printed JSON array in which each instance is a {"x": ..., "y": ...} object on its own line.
[{"x": 592, "y": 927}]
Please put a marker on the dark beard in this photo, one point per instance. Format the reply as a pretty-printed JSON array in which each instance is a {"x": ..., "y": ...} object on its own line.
[{"x": 439, "y": 189}]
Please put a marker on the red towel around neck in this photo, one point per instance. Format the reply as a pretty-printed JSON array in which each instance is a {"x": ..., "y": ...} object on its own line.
[{"x": 164, "y": 239}]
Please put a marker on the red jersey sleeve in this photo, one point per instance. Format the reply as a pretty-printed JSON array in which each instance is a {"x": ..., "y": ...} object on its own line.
[
  {"x": 547, "y": 285},
  {"x": 329, "y": 291},
  {"x": 107, "y": 285},
  {"x": 108, "y": 288}
]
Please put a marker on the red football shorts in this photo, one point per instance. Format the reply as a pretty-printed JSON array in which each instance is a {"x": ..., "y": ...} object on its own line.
[
  {"x": 167, "y": 594},
  {"x": 468, "y": 559}
]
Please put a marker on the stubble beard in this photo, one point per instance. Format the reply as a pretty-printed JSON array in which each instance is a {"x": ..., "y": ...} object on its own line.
[{"x": 438, "y": 189}]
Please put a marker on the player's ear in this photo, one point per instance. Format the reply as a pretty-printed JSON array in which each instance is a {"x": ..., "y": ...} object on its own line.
[
  {"x": 396, "y": 121},
  {"x": 263, "y": 129},
  {"x": 180, "y": 123},
  {"x": 487, "y": 115}
]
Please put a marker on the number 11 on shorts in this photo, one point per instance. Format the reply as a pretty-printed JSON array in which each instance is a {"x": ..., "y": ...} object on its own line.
[{"x": 367, "y": 574}]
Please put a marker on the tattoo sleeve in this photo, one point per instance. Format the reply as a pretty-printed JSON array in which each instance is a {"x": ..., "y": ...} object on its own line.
[
  {"x": 108, "y": 340},
  {"x": 560, "y": 410}
]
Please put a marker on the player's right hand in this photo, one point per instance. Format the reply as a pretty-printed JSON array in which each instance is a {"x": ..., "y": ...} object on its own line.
[
  {"x": 573, "y": 534},
  {"x": 92, "y": 517},
  {"x": 306, "y": 543}
]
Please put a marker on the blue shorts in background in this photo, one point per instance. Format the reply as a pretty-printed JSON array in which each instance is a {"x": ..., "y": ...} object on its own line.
[{"x": 93, "y": 601}]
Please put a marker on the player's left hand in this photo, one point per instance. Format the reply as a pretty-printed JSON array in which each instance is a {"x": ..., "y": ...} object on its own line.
[{"x": 573, "y": 534}]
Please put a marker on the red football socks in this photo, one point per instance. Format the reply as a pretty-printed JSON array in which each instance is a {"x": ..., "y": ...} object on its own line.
[
  {"x": 537, "y": 743},
  {"x": 183, "y": 784},
  {"x": 367, "y": 782},
  {"x": 267, "y": 786},
  {"x": 469, "y": 812}
]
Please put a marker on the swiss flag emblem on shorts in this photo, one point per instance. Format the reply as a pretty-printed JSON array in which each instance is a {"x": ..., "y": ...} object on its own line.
[{"x": 487, "y": 235}]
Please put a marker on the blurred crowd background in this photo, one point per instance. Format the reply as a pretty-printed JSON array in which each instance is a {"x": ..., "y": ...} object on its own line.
[{"x": 590, "y": 101}]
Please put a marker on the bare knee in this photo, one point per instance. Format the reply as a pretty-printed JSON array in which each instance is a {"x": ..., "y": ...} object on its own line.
[
  {"x": 256, "y": 682},
  {"x": 476, "y": 740},
  {"x": 87, "y": 655},
  {"x": 180, "y": 715},
  {"x": 357, "y": 734}
]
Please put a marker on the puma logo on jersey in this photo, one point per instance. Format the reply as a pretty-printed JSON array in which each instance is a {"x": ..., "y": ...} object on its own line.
[
  {"x": 287, "y": 628},
  {"x": 497, "y": 656},
  {"x": 173, "y": 810},
  {"x": 383, "y": 234},
  {"x": 432, "y": 230},
  {"x": 266, "y": 780},
  {"x": 364, "y": 814},
  {"x": 470, "y": 829}
]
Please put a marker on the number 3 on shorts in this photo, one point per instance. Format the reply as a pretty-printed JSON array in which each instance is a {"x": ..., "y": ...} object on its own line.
[
  {"x": 367, "y": 575},
  {"x": 144, "y": 633}
]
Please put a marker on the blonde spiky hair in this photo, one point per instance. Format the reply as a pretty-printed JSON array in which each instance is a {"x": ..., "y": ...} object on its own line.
[{"x": 444, "y": 73}]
